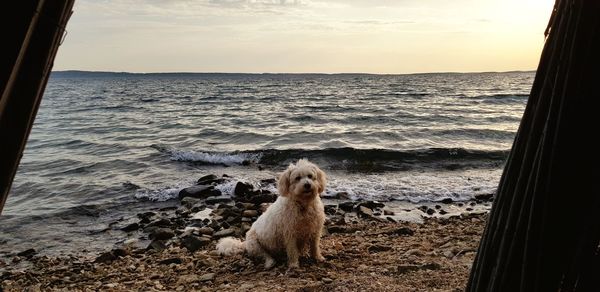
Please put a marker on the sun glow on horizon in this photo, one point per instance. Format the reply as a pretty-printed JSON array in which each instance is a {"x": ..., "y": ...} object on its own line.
[{"x": 301, "y": 36}]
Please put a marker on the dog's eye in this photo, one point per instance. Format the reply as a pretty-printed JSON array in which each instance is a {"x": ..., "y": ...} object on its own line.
[
  {"x": 297, "y": 178},
  {"x": 310, "y": 176}
]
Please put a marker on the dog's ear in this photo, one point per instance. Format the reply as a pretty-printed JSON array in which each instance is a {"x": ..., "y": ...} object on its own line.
[
  {"x": 322, "y": 179},
  {"x": 283, "y": 182}
]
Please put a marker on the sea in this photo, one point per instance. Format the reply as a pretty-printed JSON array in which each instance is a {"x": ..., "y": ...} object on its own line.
[{"x": 107, "y": 145}]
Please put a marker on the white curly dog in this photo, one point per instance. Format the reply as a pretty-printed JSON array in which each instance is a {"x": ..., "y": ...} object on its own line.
[{"x": 292, "y": 224}]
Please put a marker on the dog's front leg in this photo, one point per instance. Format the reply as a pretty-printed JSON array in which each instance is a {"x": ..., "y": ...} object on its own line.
[
  {"x": 292, "y": 254},
  {"x": 315, "y": 250}
]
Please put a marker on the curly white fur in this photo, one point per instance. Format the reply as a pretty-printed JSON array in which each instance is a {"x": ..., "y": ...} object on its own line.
[{"x": 292, "y": 224}]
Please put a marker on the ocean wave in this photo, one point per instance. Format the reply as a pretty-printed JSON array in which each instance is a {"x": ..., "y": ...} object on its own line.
[
  {"x": 347, "y": 158},
  {"x": 207, "y": 157}
]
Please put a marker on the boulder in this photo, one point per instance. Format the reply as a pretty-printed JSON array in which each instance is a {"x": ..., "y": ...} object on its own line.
[
  {"x": 162, "y": 234},
  {"x": 199, "y": 191},
  {"x": 194, "y": 243}
]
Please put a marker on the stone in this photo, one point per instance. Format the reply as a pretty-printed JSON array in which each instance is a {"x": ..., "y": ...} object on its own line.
[
  {"x": 447, "y": 201},
  {"x": 243, "y": 189},
  {"x": 27, "y": 253},
  {"x": 406, "y": 268},
  {"x": 250, "y": 213},
  {"x": 378, "y": 248},
  {"x": 106, "y": 257},
  {"x": 224, "y": 233},
  {"x": 485, "y": 197},
  {"x": 442, "y": 212},
  {"x": 372, "y": 204},
  {"x": 169, "y": 261},
  {"x": 263, "y": 198},
  {"x": 157, "y": 245},
  {"x": 189, "y": 202},
  {"x": 326, "y": 280},
  {"x": 207, "y": 277},
  {"x": 120, "y": 252},
  {"x": 162, "y": 234},
  {"x": 194, "y": 243},
  {"x": 209, "y": 179},
  {"x": 430, "y": 211},
  {"x": 131, "y": 227},
  {"x": 388, "y": 212},
  {"x": 366, "y": 212},
  {"x": 346, "y": 206},
  {"x": 206, "y": 230},
  {"x": 162, "y": 222},
  {"x": 342, "y": 229},
  {"x": 438, "y": 206},
  {"x": 217, "y": 200},
  {"x": 401, "y": 231},
  {"x": 199, "y": 191}
]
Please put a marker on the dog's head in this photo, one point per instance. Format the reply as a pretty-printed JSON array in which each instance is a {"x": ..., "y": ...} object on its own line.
[{"x": 302, "y": 181}]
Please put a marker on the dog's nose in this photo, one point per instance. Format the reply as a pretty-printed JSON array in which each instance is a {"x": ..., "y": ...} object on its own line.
[{"x": 306, "y": 186}]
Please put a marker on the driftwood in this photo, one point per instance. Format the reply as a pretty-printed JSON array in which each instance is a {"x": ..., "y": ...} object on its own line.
[
  {"x": 544, "y": 227},
  {"x": 33, "y": 30}
]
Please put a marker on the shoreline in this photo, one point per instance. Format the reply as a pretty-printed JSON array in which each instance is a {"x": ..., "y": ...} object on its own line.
[{"x": 426, "y": 246}]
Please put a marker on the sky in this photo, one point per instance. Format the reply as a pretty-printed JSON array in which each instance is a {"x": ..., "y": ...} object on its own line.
[{"x": 304, "y": 36}]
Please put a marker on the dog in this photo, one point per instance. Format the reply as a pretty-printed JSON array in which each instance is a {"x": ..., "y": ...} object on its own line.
[{"x": 292, "y": 225}]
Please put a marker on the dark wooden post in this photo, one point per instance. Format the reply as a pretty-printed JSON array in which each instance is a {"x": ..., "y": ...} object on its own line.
[
  {"x": 544, "y": 227},
  {"x": 33, "y": 30}
]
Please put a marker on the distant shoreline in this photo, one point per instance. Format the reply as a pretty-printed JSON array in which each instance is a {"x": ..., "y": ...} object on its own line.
[{"x": 83, "y": 73}]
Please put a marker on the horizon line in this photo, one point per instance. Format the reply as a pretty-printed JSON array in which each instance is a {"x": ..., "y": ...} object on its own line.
[{"x": 283, "y": 73}]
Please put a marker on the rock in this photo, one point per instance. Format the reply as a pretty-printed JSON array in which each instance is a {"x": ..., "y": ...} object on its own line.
[
  {"x": 189, "y": 202},
  {"x": 206, "y": 230},
  {"x": 366, "y": 212},
  {"x": 120, "y": 252},
  {"x": 243, "y": 189},
  {"x": 106, "y": 257},
  {"x": 327, "y": 280},
  {"x": 330, "y": 209},
  {"x": 27, "y": 253},
  {"x": 162, "y": 234},
  {"x": 263, "y": 198},
  {"x": 199, "y": 191},
  {"x": 423, "y": 208},
  {"x": 447, "y": 201},
  {"x": 157, "y": 245},
  {"x": 442, "y": 212},
  {"x": 401, "y": 231},
  {"x": 162, "y": 222},
  {"x": 388, "y": 212},
  {"x": 217, "y": 200},
  {"x": 210, "y": 179},
  {"x": 378, "y": 248},
  {"x": 250, "y": 213},
  {"x": 341, "y": 196},
  {"x": 406, "y": 268},
  {"x": 438, "y": 206},
  {"x": 224, "y": 233},
  {"x": 169, "y": 261},
  {"x": 469, "y": 209},
  {"x": 207, "y": 277},
  {"x": 245, "y": 206},
  {"x": 430, "y": 211},
  {"x": 131, "y": 227},
  {"x": 268, "y": 181},
  {"x": 460, "y": 204},
  {"x": 372, "y": 204},
  {"x": 186, "y": 279},
  {"x": 431, "y": 266},
  {"x": 346, "y": 206},
  {"x": 484, "y": 197},
  {"x": 448, "y": 253},
  {"x": 194, "y": 243},
  {"x": 342, "y": 229}
]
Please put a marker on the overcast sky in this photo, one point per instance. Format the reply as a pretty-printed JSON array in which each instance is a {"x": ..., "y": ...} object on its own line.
[{"x": 329, "y": 36}]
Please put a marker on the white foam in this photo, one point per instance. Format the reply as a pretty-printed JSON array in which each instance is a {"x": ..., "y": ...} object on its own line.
[
  {"x": 416, "y": 187},
  {"x": 213, "y": 158}
]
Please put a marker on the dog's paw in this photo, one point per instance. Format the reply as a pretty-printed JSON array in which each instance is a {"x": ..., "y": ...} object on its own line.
[
  {"x": 269, "y": 263},
  {"x": 320, "y": 258},
  {"x": 293, "y": 265}
]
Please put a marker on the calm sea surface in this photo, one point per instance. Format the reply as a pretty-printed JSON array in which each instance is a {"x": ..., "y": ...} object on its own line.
[{"x": 104, "y": 145}]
